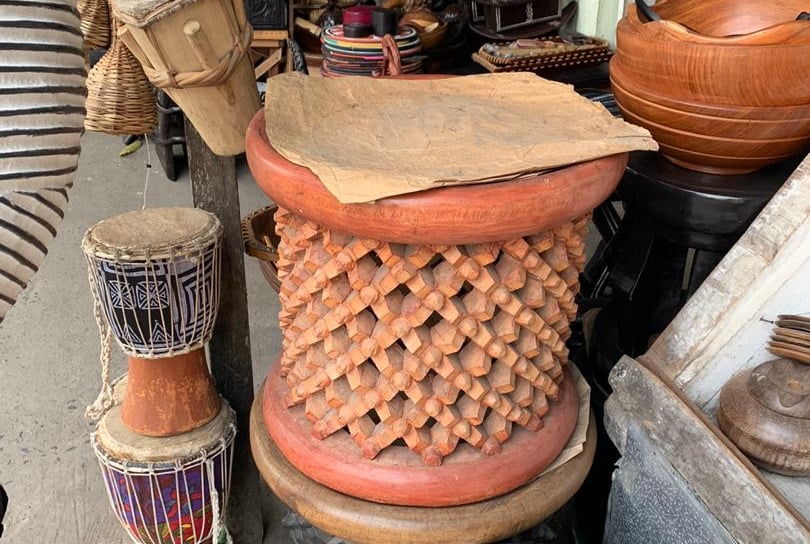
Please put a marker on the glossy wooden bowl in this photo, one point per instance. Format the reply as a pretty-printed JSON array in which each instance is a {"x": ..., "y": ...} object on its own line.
[
  {"x": 747, "y": 21},
  {"x": 738, "y": 123},
  {"x": 796, "y": 112},
  {"x": 716, "y": 155},
  {"x": 767, "y": 67}
]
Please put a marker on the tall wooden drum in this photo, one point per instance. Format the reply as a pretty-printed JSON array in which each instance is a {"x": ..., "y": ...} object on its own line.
[{"x": 198, "y": 52}]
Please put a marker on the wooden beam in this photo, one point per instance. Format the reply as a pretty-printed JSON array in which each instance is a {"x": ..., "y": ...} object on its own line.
[
  {"x": 719, "y": 330},
  {"x": 270, "y": 34},
  {"x": 720, "y": 476},
  {"x": 214, "y": 188},
  {"x": 268, "y": 63}
]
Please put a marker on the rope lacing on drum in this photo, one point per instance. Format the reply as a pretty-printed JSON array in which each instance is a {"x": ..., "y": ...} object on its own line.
[
  {"x": 219, "y": 74},
  {"x": 104, "y": 401}
]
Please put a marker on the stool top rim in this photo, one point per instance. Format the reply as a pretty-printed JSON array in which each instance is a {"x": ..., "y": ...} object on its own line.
[{"x": 476, "y": 213}]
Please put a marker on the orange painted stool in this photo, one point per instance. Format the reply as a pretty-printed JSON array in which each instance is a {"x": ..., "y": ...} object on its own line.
[{"x": 423, "y": 358}]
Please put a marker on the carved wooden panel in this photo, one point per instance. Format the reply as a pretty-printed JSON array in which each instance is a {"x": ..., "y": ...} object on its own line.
[
  {"x": 267, "y": 14},
  {"x": 425, "y": 345}
]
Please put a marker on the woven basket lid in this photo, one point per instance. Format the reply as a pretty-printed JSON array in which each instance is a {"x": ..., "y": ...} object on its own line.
[{"x": 152, "y": 233}]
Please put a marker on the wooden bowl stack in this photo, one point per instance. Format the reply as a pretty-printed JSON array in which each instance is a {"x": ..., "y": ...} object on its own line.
[{"x": 722, "y": 85}]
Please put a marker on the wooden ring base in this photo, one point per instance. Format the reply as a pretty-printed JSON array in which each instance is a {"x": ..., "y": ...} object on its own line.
[
  {"x": 763, "y": 410},
  {"x": 371, "y": 523},
  {"x": 396, "y": 476}
]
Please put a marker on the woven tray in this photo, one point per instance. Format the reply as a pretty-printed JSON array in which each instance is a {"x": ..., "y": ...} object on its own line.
[{"x": 585, "y": 55}]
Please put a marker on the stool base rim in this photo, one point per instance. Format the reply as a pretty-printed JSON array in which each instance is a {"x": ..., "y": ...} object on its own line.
[
  {"x": 366, "y": 522},
  {"x": 398, "y": 475}
]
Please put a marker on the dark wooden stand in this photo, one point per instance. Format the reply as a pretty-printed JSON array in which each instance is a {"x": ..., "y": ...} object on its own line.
[{"x": 214, "y": 188}]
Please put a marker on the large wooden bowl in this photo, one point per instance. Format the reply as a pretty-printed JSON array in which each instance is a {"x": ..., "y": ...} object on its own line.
[
  {"x": 711, "y": 144},
  {"x": 705, "y": 81},
  {"x": 724, "y": 156},
  {"x": 749, "y": 21},
  {"x": 768, "y": 67},
  {"x": 624, "y": 85}
]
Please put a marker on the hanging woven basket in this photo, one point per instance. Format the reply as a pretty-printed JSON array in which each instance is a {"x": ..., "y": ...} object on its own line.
[
  {"x": 95, "y": 23},
  {"x": 120, "y": 99}
]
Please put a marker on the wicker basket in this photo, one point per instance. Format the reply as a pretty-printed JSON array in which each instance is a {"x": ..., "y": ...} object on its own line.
[
  {"x": 580, "y": 56},
  {"x": 95, "y": 23},
  {"x": 120, "y": 99}
]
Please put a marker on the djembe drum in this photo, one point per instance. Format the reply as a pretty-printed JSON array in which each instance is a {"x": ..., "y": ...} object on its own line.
[
  {"x": 155, "y": 276},
  {"x": 167, "y": 490},
  {"x": 165, "y": 450},
  {"x": 198, "y": 52}
]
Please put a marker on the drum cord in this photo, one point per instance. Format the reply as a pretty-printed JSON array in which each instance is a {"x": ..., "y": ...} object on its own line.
[
  {"x": 104, "y": 401},
  {"x": 217, "y": 525},
  {"x": 148, "y": 170}
]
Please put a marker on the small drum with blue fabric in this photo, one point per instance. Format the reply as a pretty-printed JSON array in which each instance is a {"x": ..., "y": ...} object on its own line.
[
  {"x": 168, "y": 490},
  {"x": 155, "y": 273}
]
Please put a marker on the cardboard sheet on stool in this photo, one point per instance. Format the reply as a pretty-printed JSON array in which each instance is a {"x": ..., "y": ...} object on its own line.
[{"x": 368, "y": 138}]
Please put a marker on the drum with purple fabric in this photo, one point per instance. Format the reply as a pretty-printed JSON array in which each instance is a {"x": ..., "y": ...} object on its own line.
[
  {"x": 168, "y": 490},
  {"x": 155, "y": 273}
]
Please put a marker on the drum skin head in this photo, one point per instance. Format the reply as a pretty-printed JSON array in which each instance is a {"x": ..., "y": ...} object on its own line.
[
  {"x": 152, "y": 230},
  {"x": 122, "y": 444}
]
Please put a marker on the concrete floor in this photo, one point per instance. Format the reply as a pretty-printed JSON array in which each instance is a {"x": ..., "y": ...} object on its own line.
[{"x": 49, "y": 360}]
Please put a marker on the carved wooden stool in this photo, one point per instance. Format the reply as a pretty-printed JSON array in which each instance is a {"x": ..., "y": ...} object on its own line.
[{"x": 426, "y": 325}]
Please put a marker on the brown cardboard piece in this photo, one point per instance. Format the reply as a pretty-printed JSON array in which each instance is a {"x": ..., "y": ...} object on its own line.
[{"x": 368, "y": 138}]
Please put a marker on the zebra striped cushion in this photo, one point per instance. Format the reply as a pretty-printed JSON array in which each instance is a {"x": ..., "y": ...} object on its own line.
[{"x": 42, "y": 94}]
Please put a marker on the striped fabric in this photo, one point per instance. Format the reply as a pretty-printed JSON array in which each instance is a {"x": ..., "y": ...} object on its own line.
[{"x": 42, "y": 94}]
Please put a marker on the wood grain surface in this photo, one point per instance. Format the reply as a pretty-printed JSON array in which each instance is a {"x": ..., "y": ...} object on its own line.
[
  {"x": 371, "y": 523},
  {"x": 720, "y": 476},
  {"x": 691, "y": 92},
  {"x": 723, "y": 18},
  {"x": 214, "y": 189},
  {"x": 673, "y": 61}
]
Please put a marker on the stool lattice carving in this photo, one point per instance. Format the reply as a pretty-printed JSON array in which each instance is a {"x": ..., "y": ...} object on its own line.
[{"x": 423, "y": 345}]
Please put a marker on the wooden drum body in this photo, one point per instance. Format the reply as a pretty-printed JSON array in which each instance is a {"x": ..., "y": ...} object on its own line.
[
  {"x": 426, "y": 329},
  {"x": 169, "y": 396},
  {"x": 167, "y": 490},
  {"x": 198, "y": 52}
]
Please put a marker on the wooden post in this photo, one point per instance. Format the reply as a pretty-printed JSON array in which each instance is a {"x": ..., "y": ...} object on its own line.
[{"x": 214, "y": 188}]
